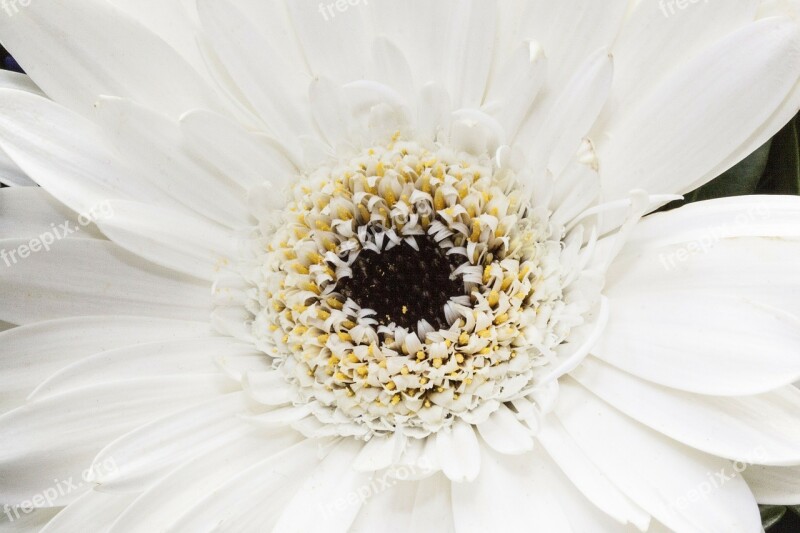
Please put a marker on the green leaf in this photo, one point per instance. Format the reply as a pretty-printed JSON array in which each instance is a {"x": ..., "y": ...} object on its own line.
[
  {"x": 782, "y": 174},
  {"x": 742, "y": 179},
  {"x": 771, "y": 514}
]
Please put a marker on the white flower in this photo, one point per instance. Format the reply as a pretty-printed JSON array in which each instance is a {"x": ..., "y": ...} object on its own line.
[{"x": 385, "y": 266}]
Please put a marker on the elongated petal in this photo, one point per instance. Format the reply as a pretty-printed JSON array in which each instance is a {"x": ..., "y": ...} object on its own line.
[
  {"x": 259, "y": 494},
  {"x": 702, "y": 342},
  {"x": 586, "y": 477},
  {"x": 189, "y": 244},
  {"x": 753, "y": 429},
  {"x": 562, "y": 129},
  {"x": 10, "y": 173},
  {"x": 142, "y": 455},
  {"x": 67, "y": 154},
  {"x": 569, "y": 31},
  {"x": 80, "y": 277},
  {"x": 390, "y": 509},
  {"x": 155, "y": 147},
  {"x": 312, "y": 504},
  {"x": 325, "y": 31},
  {"x": 658, "y": 38},
  {"x": 745, "y": 77},
  {"x": 30, "y": 212},
  {"x": 164, "y": 358},
  {"x": 185, "y": 490},
  {"x": 514, "y": 488},
  {"x": 636, "y": 456},
  {"x": 64, "y": 47},
  {"x": 274, "y": 88},
  {"x": 505, "y": 434},
  {"x": 248, "y": 159},
  {"x": 774, "y": 485},
  {"x": 459, "y": 452},
  {"x": 46, "y": 347},
  {"x": 432, "y": 505},
  {"x": 95, "y": 508},
  {"x": 57, "y": 437}
]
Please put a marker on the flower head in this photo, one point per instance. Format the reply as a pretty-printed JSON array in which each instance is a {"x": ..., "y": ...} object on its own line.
[{"x": 375, "y": 263}]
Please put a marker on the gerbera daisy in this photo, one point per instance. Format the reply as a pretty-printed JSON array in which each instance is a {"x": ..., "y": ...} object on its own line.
[{"x": 376, "y": 265}]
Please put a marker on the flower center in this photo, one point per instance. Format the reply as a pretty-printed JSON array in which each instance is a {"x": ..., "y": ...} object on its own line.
[
  {"x": 403, "y": 285},
  {"x": 407, "y": 287}
]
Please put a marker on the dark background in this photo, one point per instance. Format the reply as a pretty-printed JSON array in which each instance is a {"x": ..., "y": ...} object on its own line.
[{"x": 772, "y": 169}]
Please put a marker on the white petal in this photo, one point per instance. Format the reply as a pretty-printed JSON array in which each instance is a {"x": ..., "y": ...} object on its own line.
[
  {"x": 577, "y": 189},
  {"x": 143, "y": 455},
  {"x": 189, "y": 244},
  {"x": 10, "y": 173},
  {"x": 379, "y": 453},
  {"x": 389, "y": 509},
  {"x": 569, "y": 31},
  {"x": 662, "y": 476},
  {"x": 561, "y": 131},
  {"x": 175, "y": 22},
  {"x": 657, "y": 39},
  {"x": 18, "y": 521},
  {"x": 19, "y": 82},
  {"x": 705, "y": 341},
  {"x": 762, "y": 429},
  {"x": 779, "y": 118},
  {"x": 269, "y": 388},
  {"x": 244, "y": 157},
  {"x": 470, "y": 35},
  {"x": 57, "y": 437},
  {"x": 326, "y": 99},
  {"x": 710, "y": 246},
  {"x": 332, "y": 494},
  {"x": 432, "y": 506},
  {"x": 745, "y": 77},
  {"x": 64, "y": 47},
  {"x": 325, "y": 31},
  {"x": 391, "y": 68},
  {"x": 510, "y": 494},
  {"x": 433, "y": 111},
  {"x": 154, "y": 146},
  {"x": 80, "y": 277},
  {"x": 459, "y": 452},
  {"x": 31, "y": 212},
  {"x": 233, "y": 321},
  {"x": 586, "y": 477},
  {"x": 66, "y": 154},
  {"x": 164, "y": 358},
  {"x": 95, "y": 508},
  {"x": 184, "y": 492},
  {"x": 505, "y": 434},
  {"x": 46, "y": 347},
  {"x": 274, "y": 88},
  {"x": 774, "y": 485},
  {"x": 423, "y": 44},
  {"x": 579, "y": 512},
  {"x": 517, "y": 85},
  {"x": 708, "y": 222},
  {"x": 280, "y": 417}
]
